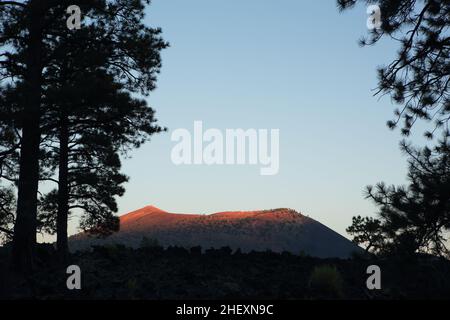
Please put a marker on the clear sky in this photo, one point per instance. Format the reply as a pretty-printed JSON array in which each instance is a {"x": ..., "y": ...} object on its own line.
[{"x": 290, "y": 65}]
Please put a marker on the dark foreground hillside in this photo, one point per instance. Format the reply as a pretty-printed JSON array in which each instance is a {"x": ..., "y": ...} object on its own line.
[{"x": 117, "y": 272}]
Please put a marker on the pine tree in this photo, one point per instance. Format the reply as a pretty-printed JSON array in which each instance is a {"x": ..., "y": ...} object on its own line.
[
  {"x": 97, "y": 117},
  {"x": 35, "y": 39},
  {"x": 9, "y": 145},
  {"x": 23, "y": 25},
  {"x": 92, "y": 125},
  {"x": 418, "y": 78},
  {"x": 415, "y": 218}
]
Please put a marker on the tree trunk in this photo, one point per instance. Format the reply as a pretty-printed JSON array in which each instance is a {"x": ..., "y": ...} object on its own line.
[
  {"x": 24, "y": 239},
  {"x": 63, "y": 191}
]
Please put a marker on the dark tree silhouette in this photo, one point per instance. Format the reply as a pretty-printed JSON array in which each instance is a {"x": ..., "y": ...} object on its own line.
[
  {"x": 32, "y": 37},
  {"x": 367, "y": 232},
  {"x": 24, "y": 23},
  {"x": 415, "y": 218},
  {"x": 9, "y": 144},
  {"x": 418, "y": 78},
  {"x": 90, "y": 127},
  {"x": 96, "y": 115},
  {"x": 7, "y": 218}
]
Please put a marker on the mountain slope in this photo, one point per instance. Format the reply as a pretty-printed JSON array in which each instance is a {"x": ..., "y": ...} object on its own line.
[{"x": 278, "y": 230}]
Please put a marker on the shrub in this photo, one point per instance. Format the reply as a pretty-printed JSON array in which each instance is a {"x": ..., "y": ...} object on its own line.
[{"x": 327, "y": 282}]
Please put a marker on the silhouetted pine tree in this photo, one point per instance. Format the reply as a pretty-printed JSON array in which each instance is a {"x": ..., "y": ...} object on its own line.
[
  {"x": 21, "y": 35},
  {"x": 94, "y": 123},
  {"x": 96, "y": 116},
  {"x": 419, "y": 77},
  {"x": 9, "y": 146},
  {"x": 415, "y": 218},
  {"x": 32, "y": 34}
]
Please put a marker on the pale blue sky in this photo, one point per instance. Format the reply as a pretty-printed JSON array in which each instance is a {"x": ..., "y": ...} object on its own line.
[{"x": 291, "y": 65}]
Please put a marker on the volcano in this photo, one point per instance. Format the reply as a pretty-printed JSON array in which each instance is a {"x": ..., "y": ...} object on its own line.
[{"x": 276, "y": 230}]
